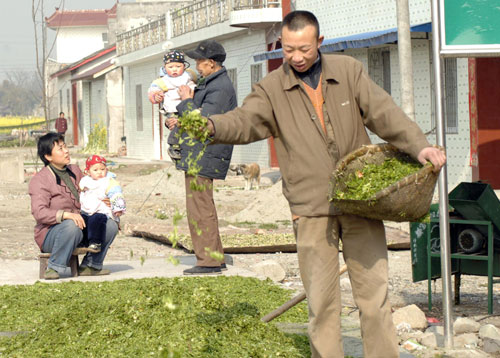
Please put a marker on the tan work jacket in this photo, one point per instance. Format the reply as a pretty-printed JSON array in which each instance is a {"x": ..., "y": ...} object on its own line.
[{"x": 280, "y": 107}]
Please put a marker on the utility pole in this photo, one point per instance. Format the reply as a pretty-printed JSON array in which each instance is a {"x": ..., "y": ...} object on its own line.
[{"x": 405, "y": 59}]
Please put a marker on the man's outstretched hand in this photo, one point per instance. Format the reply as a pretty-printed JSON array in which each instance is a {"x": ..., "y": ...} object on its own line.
[
  {"x": 210, "y": 127},
  {"x": 434, "y": 155}
]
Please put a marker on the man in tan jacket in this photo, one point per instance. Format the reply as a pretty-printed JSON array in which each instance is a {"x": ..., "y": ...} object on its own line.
[{"x": 317, "y": 107}]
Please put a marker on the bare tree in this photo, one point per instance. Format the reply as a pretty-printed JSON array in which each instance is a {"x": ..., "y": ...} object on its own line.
[
  {"x": 41, "y": 52},
  {"x": 20, "y": 93}
]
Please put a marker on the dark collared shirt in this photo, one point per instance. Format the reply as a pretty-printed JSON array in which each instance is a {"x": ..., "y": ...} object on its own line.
[{"x": 312, "y": 75}]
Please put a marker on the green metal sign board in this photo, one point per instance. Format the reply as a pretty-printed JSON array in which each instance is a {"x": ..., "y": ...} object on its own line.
[{"x": 470, "y": 27}]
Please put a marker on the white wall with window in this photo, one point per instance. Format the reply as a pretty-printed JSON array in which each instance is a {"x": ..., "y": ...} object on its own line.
[
  {"x": 243, "y": 73},
  {"x": 379, "y": 67},
  {"x": 141, "y": 128}
]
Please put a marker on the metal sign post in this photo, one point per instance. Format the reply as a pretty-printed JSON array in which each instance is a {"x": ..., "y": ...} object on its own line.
[
  {"x": 461, "y": 28},
  {"x": 444, "y": 227}
]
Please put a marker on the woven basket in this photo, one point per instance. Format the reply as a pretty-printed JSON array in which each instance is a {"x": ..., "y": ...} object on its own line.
[{"x": 406, "y": 200}]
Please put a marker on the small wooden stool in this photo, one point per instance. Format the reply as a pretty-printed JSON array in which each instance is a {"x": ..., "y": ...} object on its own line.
[{"x": 73, "y": 261}]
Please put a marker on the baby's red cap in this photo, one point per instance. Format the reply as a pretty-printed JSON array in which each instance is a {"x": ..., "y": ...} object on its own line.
[{"x": 94, "y": 159}]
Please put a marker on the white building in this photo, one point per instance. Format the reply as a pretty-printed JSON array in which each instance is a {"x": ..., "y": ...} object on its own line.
[
  {"x": 249, "y": 29},
  {"x": 84, "y": 82},
  {"x": 184, "y": 29},
  {"x": 79, "y": 33}
]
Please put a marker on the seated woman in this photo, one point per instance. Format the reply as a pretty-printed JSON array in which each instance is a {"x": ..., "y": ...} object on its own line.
[{"x": 55, "y": 206}]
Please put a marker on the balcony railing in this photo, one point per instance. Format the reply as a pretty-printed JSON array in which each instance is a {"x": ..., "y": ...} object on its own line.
[
  {"x": 152, "y": 33},
  {"x": 199, "y": 15},
  {"x": 254, "y": 4},
  {"x": 180, "y": 21}
]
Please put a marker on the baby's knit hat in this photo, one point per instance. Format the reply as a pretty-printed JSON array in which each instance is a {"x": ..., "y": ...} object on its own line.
[{"x": 175, "y": 56}]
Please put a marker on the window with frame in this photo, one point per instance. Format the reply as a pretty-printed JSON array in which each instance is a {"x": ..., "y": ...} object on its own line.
[
  {"x": 450, "y": 93},
  {"x": 379, "y": 67},
  {"x": 255, "y": 74},
  {"x": 233, "y": 76},
  {"x": 138, "y": 108}
]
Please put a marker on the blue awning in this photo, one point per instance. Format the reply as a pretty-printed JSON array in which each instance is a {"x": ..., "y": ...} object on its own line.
[{"x": 366, "y": 39}]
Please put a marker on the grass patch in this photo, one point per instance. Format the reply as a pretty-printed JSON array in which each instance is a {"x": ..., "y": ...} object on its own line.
[
  {"x": 157, "y": 317},
  {"x": 12, "y": 143},
  {"x": 268, "y": 226},
  {"x": 160, "y": 214},
  {"x": 248, "y": 224}
]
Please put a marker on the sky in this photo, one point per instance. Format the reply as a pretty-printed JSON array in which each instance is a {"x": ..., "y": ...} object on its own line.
[{"x": 17, "y": 44}]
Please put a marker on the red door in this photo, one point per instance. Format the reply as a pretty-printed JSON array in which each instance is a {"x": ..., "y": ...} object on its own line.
[{"x": 488, "y": 119}]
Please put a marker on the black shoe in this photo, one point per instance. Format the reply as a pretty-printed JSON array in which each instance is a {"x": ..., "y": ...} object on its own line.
[
  {"x": 202, "y": 270},
  {"x": 223, "y": 267},
  {"x": 174, "y": 153}
]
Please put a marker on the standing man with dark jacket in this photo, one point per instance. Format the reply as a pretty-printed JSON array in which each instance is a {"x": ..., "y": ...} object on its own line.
[
  {"x": 214, "y": 94},
  {"x": 61, "y": 124},
  {"x": 317, "y": 107}
]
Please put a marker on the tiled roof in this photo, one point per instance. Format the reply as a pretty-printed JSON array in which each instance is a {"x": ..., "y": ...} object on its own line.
[{"x": 75, "y": 18}]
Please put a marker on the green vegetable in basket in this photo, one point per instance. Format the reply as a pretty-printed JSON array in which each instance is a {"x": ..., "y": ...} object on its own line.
[{"x": 364, "y": 184}]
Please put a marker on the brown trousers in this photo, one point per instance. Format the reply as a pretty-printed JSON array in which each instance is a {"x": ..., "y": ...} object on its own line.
[
  {"x": 203, "y": 222},
  {"x": 365, "y": 253}
]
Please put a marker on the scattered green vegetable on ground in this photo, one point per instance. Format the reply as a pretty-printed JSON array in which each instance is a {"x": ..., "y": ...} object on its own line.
[
  {"x": 158, "y": 317},
  {"x": 245, "y": 240}
]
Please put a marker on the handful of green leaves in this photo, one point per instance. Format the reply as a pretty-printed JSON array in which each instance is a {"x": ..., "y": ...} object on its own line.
[
  {"x": 195, "y": 126},
  {"x": 364, "y": 184}
]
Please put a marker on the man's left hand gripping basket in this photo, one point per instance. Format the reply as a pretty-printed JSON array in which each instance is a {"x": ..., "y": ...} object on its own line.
[{"x": 408, "y": 199}]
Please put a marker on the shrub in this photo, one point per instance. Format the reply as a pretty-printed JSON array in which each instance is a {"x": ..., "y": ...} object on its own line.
[{"x": 97, "y": 140}]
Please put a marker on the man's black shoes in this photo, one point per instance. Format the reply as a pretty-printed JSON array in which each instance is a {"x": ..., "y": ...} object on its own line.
[{"x": 203, "y": 270}]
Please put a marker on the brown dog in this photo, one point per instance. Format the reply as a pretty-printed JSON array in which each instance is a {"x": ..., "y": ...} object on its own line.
[{"x": 251, "y": 173}]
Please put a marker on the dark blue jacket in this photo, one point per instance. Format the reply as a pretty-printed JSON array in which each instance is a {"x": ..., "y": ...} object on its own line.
[{"x": 215, "y": 95}]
